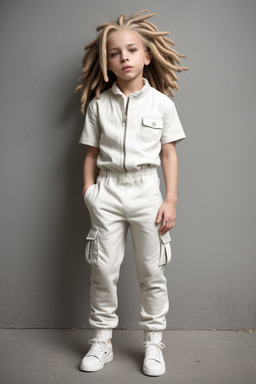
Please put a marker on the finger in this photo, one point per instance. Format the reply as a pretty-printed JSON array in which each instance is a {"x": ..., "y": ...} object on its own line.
[
  {"x": 163, "y": 228},
  {"x": 164, "y": 231},
  {"x": 159, "y": 216},
  {"x": 172, "y": 224},
  {"x": 166, "y": 225}
]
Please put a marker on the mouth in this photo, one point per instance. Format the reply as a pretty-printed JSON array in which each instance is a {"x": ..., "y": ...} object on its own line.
[{"x": 126, "y": 68}]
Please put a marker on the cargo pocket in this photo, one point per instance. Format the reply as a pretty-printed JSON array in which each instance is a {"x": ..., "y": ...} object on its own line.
[
  {"x": 165, "y": 249},
  {"x": 91, "y": 248}
]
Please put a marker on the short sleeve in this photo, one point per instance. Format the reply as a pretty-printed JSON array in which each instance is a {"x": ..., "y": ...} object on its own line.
[
  {"x": 172, "y": 128},
  {"x": 91, "y": 130}
]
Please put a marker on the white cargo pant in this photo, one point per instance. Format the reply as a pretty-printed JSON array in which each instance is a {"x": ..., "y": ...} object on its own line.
[{"x": 117, "y": 201}]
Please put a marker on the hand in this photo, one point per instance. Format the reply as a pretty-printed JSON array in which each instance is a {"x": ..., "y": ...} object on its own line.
[
  {"x": 85, "y": 189},
  {"x": 166, "y": 216}
]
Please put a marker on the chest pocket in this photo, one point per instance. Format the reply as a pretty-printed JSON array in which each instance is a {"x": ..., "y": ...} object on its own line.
[{"x": 151, "y": 128}]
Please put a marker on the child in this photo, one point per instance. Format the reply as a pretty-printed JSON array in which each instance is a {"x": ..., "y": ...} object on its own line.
[{"x": 130, "y": 68}]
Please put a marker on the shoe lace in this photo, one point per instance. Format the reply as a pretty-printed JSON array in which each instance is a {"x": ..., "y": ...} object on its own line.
[
  {"x": 153, "y": 350},
  {"x": 98, "y": 346}
]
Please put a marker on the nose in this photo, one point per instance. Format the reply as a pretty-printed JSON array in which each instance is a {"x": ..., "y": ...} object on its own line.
[{"x": 124, "y": 57}]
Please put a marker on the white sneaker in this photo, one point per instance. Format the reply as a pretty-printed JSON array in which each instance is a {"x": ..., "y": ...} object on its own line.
[
  {"x": 100, "y": 353},
  {"x": 153, "y": 364}
]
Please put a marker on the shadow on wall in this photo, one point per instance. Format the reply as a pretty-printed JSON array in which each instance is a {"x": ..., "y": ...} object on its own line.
[{"x": 72, "y": 272}]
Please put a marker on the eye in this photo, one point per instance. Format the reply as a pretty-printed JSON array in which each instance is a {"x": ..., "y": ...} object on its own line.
[
  {"x": 132, "y": 50},
  {"x": 113, "y": 54}
]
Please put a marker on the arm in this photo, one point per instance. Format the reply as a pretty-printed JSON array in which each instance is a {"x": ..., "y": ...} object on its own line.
[
  {"x": 91, "y": 170},
  {"x": 167, "y": 212}
]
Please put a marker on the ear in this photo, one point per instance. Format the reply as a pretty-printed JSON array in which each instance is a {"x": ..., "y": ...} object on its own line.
[{"x": 148, "y": 57}]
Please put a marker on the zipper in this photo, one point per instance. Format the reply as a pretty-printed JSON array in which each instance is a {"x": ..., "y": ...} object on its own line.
[{"x": 125, "y": 134}]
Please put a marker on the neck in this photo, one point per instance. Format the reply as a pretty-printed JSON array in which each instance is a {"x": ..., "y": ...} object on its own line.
[{"x": 130, "y": 86}]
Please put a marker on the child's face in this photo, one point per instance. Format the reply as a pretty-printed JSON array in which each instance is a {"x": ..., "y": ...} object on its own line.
[{"x": 127, "y": 55}]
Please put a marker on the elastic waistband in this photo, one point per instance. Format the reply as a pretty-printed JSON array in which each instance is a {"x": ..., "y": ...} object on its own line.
[{"x": 130, "y": 174}]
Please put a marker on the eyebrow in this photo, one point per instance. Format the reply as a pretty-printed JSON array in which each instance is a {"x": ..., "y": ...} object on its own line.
[{"x": 127, "y": 45}]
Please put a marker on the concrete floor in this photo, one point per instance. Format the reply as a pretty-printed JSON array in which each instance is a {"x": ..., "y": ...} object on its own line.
[{"x": 194, "y": 357}]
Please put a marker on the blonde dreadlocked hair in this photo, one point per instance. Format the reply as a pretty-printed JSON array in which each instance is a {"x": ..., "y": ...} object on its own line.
[{"x": 160, "y": 73}]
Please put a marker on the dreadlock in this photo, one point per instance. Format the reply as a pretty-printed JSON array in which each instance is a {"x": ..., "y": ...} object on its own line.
[{"x": 160, "y": 73}]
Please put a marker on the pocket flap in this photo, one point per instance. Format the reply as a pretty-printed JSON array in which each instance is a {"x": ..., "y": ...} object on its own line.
[
  {"x": 92, "y": 235},
  {"x": 166, "y": 238},
  {"x": 166, "y": 252},
  {"x": 152, "y": 122}
]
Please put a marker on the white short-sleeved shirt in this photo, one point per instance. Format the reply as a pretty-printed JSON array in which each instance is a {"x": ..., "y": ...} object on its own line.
[{"x": 130, "y": 132}]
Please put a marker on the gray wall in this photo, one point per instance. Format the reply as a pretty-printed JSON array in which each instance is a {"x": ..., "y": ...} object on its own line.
[{"x": 44, "y": 279}]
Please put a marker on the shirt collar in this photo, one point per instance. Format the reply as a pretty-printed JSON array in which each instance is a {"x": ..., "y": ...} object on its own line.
[{"x": 117, "y": 91}]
